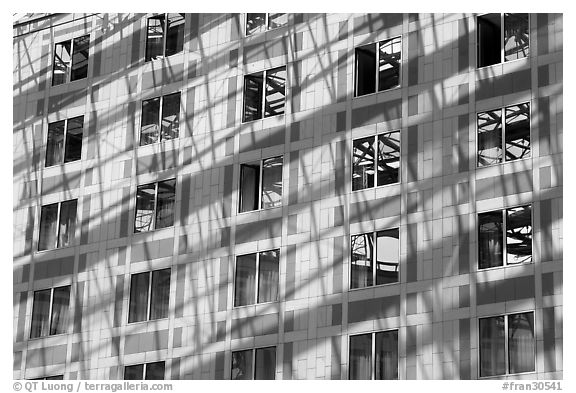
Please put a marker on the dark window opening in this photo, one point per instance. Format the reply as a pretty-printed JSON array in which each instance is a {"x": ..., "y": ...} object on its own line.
[
  {"x": 70, "y": 60},
  {"x": 264, "y": 94},
  {"x": 160, "y": 119},
  {"x": 374, "y": 356},
  {"x": 256, "y": 278},
  {"x": 378, "y": 66},
  {"x": 258, "y": 364},
  {"x": 147, "y": 371},
  {"x": 495, "y": 45},
  {"x": 365, "y": 162},
  {"x": 50, "y": 312},
  {"x": 365, "y": 270},
  {"x": 57, "y": 225},
  {"x": 64, "y": 142},
  {"x": 149, "y": 296},
  {"x": 155, "y": 206},
  {"x": 261, "y": 184},
  {"x": 164, "y": 36},
  {"x": 259, "y": 22}
]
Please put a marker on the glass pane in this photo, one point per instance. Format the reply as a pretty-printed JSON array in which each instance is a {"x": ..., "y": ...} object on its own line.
[
  {"x": 145, "y": 196},
  {"x": 80, "y": 58},
  {"x": 255, "y": 23},
  {"x": 48, "y": 227},
  {"x": 150, "y": 116},
  {"x": 516, "y": 36},
  {"x": 253, "y": 86},
  {"x": 245, "y": 280},
  {"x": 387, "y": 355},
  {"x": 490, "y": 138},
  {"x": 388, "y": 163},
  {"x": 40, "y": 314},
  {"x": 517, "y": 132},
  {"x": 55, "y": 143},
  {"x": 160, "y": 296},
  {"x": 73, "y": 151},
  {"x": 387, "y": 256},
  {"x": 272, "y": 182},
  {"x": 249, "y": 186},
  {"x": 55, "y": 378},
  {"x": 60, "y": 310},
  {"x": 175, "y": 34},
  {"x": 138, "y": 310},
  {"x": 363, "y": 163},
  {"x": 155, "y": 38},
  {"x": 268, "y": 276},
  {"x": 489, "y": 40},
  {"x": 265, "y": 363},
  {"x": 389, "y": 63},
  {"x": 362, "y": 255},
  {"x": 519, "y": 235},
  {"x": 490, "y": 233},
  {"x": 492, "y": 347},
  {"x": 134, "y": 372},
  {"x": 275, "y": 92},
  {"x": 361, "y": 357},
  {"x": 170, "y": 116},
  {"x": 155, "y": 371},
  {"x": 277, "y": 20},
  {"x": 242, "y": 364},
  {"x": 521, "y": 342},
  {"x": 365, "y": 70},
  {"x": 62, "y": 57},
  {"x": 166, "y": 200},
  {"x": 67, "y": 224}
]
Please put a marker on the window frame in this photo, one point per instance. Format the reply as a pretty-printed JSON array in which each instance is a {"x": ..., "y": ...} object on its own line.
[
  {"x": 506, "y": 343},
  {"x": 150, "y": 274},
  {"x": 144, "y": 371},
  {"x": 50, "y": 308},
  {"x": 256, "y": 280},
  {"x": 58, "y": 246},
  {"x": 64, "y": 140},
  {"x": 503, "y": 212},
  {"x": 375, "y": 145},
  {"x": 160, "y": 117},
  {"x": 502, "y": 146},
  {"x": 377, "y": 71},
  {"x": 266, "y": 24},
  {"x": 374, "y": 234},
  {"x": 71, "y": 63},
  {"x": 260, "y": 185},
  {"x": 153, "y": 225},
  {"x": 502, "y": 37},
  {"x": 263, "y": 97},
  {"x": 253, "y": 350},
  {"x": 164, "y": 36},
  {"x": 373, "y": 353}
]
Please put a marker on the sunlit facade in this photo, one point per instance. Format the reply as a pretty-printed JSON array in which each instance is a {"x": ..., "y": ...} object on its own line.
[{"x": 287, "y": 196}]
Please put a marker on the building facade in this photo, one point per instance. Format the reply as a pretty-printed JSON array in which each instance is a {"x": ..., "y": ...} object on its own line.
[{"x": 287, "y": 196}]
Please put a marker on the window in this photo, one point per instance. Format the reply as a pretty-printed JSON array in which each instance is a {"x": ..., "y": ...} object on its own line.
[
  {"x": 155, "y": 206},
  {"x": 516, "y": 224},
  {"x": 256, "y": 279},
  {"x": 160, "y": 119},
  {"x": 149, "y": 297},
  {"x": 164, "y": 36},
  {"x": 257, "y": 363},
  {"x": 365, "y": 271},
  {"x": 70, "y": 60},
  {"x": 146, "y": 371},
  {"x": 51, "y": 378},
  {"x": 261, "y": 184},
  {"x": 366, "y": 164},
  {"x": 497, "y": 46},
  {"x": 64, "y": 141},
  {"x": 378, "y": 66},
  {"x": 374, "y": 355},
  {"x": 256, "y": 23},
  {"x": 57, "y": 225},
  {"x": 264, "y": 92},
  {"x": 507, "y": 344},
  {"x": 510, "y": 135},
  {"x": 50, "y": 312}
]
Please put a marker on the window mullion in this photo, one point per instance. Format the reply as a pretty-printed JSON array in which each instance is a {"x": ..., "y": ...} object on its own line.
[
  {"x": 160, "y": 117},
  {"x": 502, "y": 43},
  {"x": 503, "y": 143},
  {"x": 50, "y": 311},
  {"x": 64, "y": 141},
  {"x": 69, "y": 68},
  {"x": 144, "y": 370},
  {"x": 155, "y": 205},
  {"x": 264, "y": 86},
  {"x": 374, "y": 260},
  {"x": 373, "y": 365},
  {"x": 506, "y": 354},
  {"x": 149, "y": 300},
  {"x": 164, "y": 35},
  {"x": 257, "y": 280},
  {"x": 57, "y": 240},
  {"x": 261, "y": 173},
  {"x": 377, "y": 65},
  {"x": 505, "y": 240}
]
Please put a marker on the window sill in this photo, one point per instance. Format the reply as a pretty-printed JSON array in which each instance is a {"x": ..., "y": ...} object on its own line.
[
  {"x": 378, "y": 92},
  {"x": 493, "y": 268},
  {"x": 375, "y": 187},
  {"x": 147, "y": 321},
  {"x": 48, "y": 336},
  {"x": 263, "y": 118},
  {"x": 374, "y": 286},
  {"x": 504, "y": 162},
  {"x": 500, "y": 376},
  {"x": 503, "y": 62},
  {"x": 255, "y": 304},
  {"x": 260, "y": 210},
  {"x": 53, "y": 249}
]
